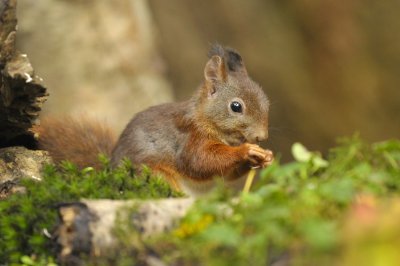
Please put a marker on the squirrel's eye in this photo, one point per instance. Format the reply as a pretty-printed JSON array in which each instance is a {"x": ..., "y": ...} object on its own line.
[{"x": 236, "y": 107}]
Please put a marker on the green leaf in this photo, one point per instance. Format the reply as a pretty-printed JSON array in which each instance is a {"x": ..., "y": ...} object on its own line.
[
  {"x": 300, "y": 153},
  {"x": 318, "y": 233},
  {"x": 221, "y": 234},
  {"x": 87, "y": 170},
  {"x": 26, "y": 260},
  {"x": 318, "y": 162}
]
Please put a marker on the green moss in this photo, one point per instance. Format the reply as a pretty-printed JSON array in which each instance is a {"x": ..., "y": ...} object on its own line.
[
  {"x": 24, "y": 217},
  {"x": 297, "y": 208},
  {"x": 305, "y": 210}
]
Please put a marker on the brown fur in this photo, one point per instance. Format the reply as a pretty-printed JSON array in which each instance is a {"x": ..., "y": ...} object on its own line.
[{"x": 77, "y": 140}]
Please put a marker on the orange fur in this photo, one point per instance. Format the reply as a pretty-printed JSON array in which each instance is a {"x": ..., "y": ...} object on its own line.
[
  {"x": 204, "y": 158},
  {"x": 170, "y": 174},
  {"x": 77, "y": 140}
]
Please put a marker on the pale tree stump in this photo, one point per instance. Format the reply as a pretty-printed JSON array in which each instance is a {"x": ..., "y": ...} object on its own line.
[{"x": 86, "y": 227}]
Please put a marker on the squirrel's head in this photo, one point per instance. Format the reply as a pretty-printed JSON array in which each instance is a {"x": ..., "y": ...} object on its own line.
[{"x": 235, "y": 106}]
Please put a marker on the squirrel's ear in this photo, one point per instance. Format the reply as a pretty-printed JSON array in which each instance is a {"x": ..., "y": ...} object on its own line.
[{"x": 215, "y": 70}]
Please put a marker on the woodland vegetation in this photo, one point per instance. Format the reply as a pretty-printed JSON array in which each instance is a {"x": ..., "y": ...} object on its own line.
[
  {"x": 340, "y": 210},
  {"x": 330, "y": 68}
]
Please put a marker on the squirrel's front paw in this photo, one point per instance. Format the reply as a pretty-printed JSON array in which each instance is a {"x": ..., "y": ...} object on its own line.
[
  {"x": 257, "y": 156},
  {"x": 269, "y": 158}
]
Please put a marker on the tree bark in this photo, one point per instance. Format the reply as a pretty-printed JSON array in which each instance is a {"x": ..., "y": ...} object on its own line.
[{"x": 22, "y": 93}]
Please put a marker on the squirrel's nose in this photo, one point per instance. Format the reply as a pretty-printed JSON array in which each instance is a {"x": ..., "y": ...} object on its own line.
[{"x": 260, "y": 136}]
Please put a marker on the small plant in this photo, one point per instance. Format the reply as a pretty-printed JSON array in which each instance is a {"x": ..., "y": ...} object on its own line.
[{"x": 295, "y": 212}]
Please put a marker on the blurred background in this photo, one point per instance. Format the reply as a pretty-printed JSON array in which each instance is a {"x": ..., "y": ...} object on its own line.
[{"x": 330, "y": 68}]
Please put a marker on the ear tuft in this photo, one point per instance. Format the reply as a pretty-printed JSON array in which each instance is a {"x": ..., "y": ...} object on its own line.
[
  {"x": 234, "y": 60},
  {"x": 231, "y": 57},
  {"x": 216, "y": 49}
]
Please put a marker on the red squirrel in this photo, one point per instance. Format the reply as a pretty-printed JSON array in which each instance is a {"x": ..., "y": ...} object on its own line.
[{"x": 213, "y": 134}]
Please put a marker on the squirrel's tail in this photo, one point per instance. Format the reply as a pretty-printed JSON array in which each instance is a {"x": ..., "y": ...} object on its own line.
[{"x": 77, "y": 140}]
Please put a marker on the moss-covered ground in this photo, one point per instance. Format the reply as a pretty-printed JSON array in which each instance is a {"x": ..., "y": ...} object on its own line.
[{"x": 338, "y": 210}]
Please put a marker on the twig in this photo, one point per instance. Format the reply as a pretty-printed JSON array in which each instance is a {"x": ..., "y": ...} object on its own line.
[{"x": 249, "y": 180}]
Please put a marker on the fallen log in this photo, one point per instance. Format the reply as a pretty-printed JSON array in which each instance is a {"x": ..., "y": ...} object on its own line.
[{"x": 86, "y": 227}]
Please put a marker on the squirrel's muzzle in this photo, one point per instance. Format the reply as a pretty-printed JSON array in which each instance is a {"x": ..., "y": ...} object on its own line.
[{"x": 258, "y": 136}]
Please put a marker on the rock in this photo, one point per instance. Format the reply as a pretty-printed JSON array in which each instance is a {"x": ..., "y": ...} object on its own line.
[{"x": 17, "y": 163}]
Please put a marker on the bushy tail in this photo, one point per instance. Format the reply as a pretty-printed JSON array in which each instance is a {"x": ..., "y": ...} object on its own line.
[{"x": 77, "y": 140}]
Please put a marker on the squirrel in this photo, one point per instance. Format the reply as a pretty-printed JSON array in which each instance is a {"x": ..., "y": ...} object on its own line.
[{"x": 214, "y": 133}]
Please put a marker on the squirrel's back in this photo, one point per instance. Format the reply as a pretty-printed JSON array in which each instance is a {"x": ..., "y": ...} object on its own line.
[
  {"x": 152, "y": 136},
  {"x": 79, "y": 140}
]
